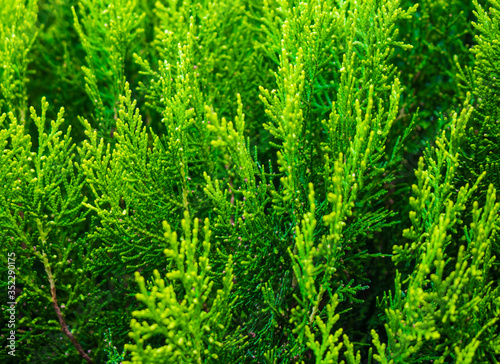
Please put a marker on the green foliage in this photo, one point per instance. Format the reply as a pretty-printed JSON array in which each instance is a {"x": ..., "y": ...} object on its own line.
[
  {"x": 430, "y": 313},
  {"x": 193, "y": 323},
  {"x": 314, "y": 139},
  {"x": 480, "y": 155},
  {"x": 18, "y": 32},
  {"x": 114, "y": 357},
  {"x": 441, "y": 33},
  {"x": 106, "y": 31},
  {"x": 41, "y": 216}
]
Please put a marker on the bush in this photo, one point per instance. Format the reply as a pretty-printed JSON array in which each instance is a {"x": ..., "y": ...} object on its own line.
[{"x": 249, "y": 181}]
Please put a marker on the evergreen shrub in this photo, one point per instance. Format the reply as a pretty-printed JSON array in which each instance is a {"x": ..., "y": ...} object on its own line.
[{"x": 250, "y": 181}]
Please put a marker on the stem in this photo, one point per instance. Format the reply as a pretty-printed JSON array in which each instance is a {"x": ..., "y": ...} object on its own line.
[
  {"x": 64, "y": 327},
  {"x": 294, "y": 280},
  {"x": 316, "y": 305}
]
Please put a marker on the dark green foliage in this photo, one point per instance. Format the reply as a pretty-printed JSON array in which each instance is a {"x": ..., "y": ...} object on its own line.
[
  {"x": 251, "y": 181},
  {"x": 480, "y": 155}
]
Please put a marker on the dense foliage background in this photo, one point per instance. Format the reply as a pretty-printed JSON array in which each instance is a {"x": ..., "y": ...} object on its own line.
[{"x": 250, "y": 181}]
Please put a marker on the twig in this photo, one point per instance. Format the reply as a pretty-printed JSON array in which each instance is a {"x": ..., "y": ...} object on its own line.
[{"x": 64, "y": 327}]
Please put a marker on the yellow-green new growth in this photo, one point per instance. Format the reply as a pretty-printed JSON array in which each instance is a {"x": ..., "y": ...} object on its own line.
[
  {"x": 439, "y": 298},
  {"x": 18, "y": 33},
  {"x": 191, "y": 318}
]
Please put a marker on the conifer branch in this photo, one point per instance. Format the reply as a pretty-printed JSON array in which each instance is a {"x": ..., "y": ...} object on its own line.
[
  {"x": 57, "y": 309},
  {"x": 311, "y": 138}
]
